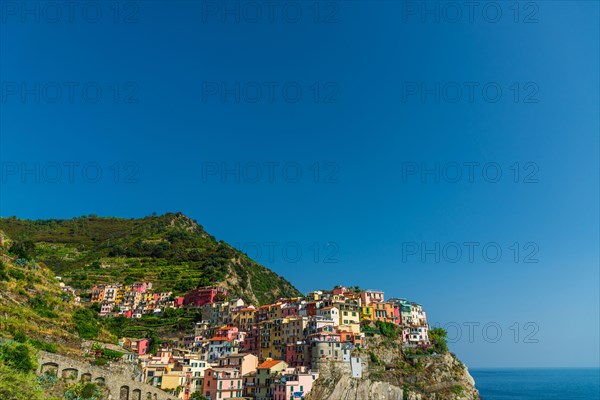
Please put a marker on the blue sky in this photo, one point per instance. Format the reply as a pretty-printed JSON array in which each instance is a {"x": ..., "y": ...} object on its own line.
[{"x": 317, "y": 165}]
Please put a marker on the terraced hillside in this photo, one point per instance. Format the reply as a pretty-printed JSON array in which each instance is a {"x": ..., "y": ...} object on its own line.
[
  {"x": 35, "y": 309},
  {"x": 172, "y": 251}
]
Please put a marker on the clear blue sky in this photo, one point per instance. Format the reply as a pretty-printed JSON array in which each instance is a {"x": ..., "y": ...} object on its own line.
[{"x": 372, "y": 129}]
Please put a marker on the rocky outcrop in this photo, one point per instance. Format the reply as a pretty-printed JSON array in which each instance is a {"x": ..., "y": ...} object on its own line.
[
  {"x": 390, "y": 373},
  {"x": 336, "y": 382}
]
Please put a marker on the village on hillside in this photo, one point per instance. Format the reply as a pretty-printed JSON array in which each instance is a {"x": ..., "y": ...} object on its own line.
[{"x": 268, "y": 352}]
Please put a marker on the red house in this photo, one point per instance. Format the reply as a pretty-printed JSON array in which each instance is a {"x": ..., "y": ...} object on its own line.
[
  {"x": 178, "y": 302},
  {"x": 205, "y": 295},
  {"x": 311, "y": 309},
  {"x": 251, "y": 343}
]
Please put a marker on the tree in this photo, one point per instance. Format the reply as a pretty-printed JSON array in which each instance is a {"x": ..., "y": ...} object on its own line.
[
  {"x": 15, "y": 385},
  {"x": 437, "y": 336},
  {"x": 3, "y": 274},
  {"x": 23, "y": 250},
  {"x": 154, "y": 342},
  {"x": 197, "y": 396},
  {"x": 86, "y": 322},
  {"x": 20, "y": 356}
]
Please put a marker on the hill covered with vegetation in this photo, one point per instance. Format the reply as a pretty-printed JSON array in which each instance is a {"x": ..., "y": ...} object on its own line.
[
  {"x": 34, "y": 308},
  {"x": 172, "y": 251}
]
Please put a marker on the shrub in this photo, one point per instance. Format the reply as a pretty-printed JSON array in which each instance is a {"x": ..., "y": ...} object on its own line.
[
  {"x": 373, "y": 357},
  {"x": 42, "y": 345},
  {"x": 16, "y": 274},
  {"x": 83, "y": 391},
  {"x": 20, "y": 356},
  {"x": 3, "y": 273},
  {"x": 101, "y": 361},
  {"x": 86, "y": 323},
  {"x": 48, "y": 380},
  {"x": 42, "y": 307},
  {"x": 388, "y": 329},
  {"x": 457, "y": 390},
  {"x": 15, "y": 385},
  {"x": 23, "y": 250},
  {"x": 437, "y": 336},
  {"x": 112, "y": 354},
  {"x": 20, "y": 337}
]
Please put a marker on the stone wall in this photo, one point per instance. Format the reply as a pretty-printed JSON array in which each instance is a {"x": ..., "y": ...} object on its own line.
[{"x": 120, "y": 380}]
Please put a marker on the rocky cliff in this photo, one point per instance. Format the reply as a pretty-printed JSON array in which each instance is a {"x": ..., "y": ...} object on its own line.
[{"x": 390, "y": 373}]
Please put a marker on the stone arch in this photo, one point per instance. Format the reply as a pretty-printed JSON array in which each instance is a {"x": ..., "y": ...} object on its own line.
[
  {"x": 49, "y": 367},
  {"x": 136, "y": 394},
  {"x": 148, "y": 396},
  {"x": 69, "y": 373},
  {"x": 124, "y": 393},
  {"x": 100, "y": 381},
  {"x": 86, "y": 377}
]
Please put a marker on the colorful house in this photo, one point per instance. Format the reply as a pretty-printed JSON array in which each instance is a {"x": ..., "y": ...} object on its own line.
[
  {"x": 383, "y": 312},
  {"x": 331, "y": 313},
  {"x": 371, "y": 296},
  {"x": 245, "y": 363},
  {"x": 204, "y": 295},
  {"x": 294, "y": 385},
  {"x": 218, "y": 347},
  {"x": 222, "y": 383},
  {"x": 367, "y": 313},
  {"x": 265, "y": 374}
]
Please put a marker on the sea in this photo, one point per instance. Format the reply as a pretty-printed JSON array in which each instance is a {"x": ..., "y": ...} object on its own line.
[{"x": 538, "y": 383}]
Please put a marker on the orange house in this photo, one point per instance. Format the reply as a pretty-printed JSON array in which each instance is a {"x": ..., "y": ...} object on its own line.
[{"x": 383, "y": 312}]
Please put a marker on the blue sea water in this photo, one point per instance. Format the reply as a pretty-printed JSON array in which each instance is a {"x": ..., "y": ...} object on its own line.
[{"x": 538, "y": 384}]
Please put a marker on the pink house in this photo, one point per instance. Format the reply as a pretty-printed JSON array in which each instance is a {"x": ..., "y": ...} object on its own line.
[
  {"x": 105, "y": 309},
  {"x": 138, "y": 346},
  {"x": 297, "y": 355},
  {"x": 296, "y": 385},
  {"x": 371, "y": 296},
  {"x": 229, "y": 332},
  {"x": 141, "y": 347},
  {"x": 140, "y": 287},
  {"x": 222, "y": 383}
]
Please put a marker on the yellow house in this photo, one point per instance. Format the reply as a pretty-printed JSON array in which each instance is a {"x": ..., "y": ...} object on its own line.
[
  {"x": 349, "y": 314},
  {"x": 244, "y": 317},
  {"x": 367, "y": 313},
  {"x": 119, "y": 296},
  {"x": 269, "y": 341},
  {"x": 172, "y": 379}
]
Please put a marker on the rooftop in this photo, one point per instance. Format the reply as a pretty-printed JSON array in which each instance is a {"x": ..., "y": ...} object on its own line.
[{"x": 269, "y": 364}]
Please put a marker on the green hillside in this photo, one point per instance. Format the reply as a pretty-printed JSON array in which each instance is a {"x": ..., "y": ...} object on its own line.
[
  {"x": 35, "y": 309},
  {"x": 172, "y": 251}
]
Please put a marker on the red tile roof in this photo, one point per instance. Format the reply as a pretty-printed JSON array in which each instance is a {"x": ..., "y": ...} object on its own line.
[
  {"x": 269, "y": 364},
  {"x": 220, "y": 338}
]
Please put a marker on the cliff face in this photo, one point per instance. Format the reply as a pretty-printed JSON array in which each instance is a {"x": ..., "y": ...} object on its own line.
[
  {"x": 336, "y": 382},
  {"x": 389, "y": 374}
]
